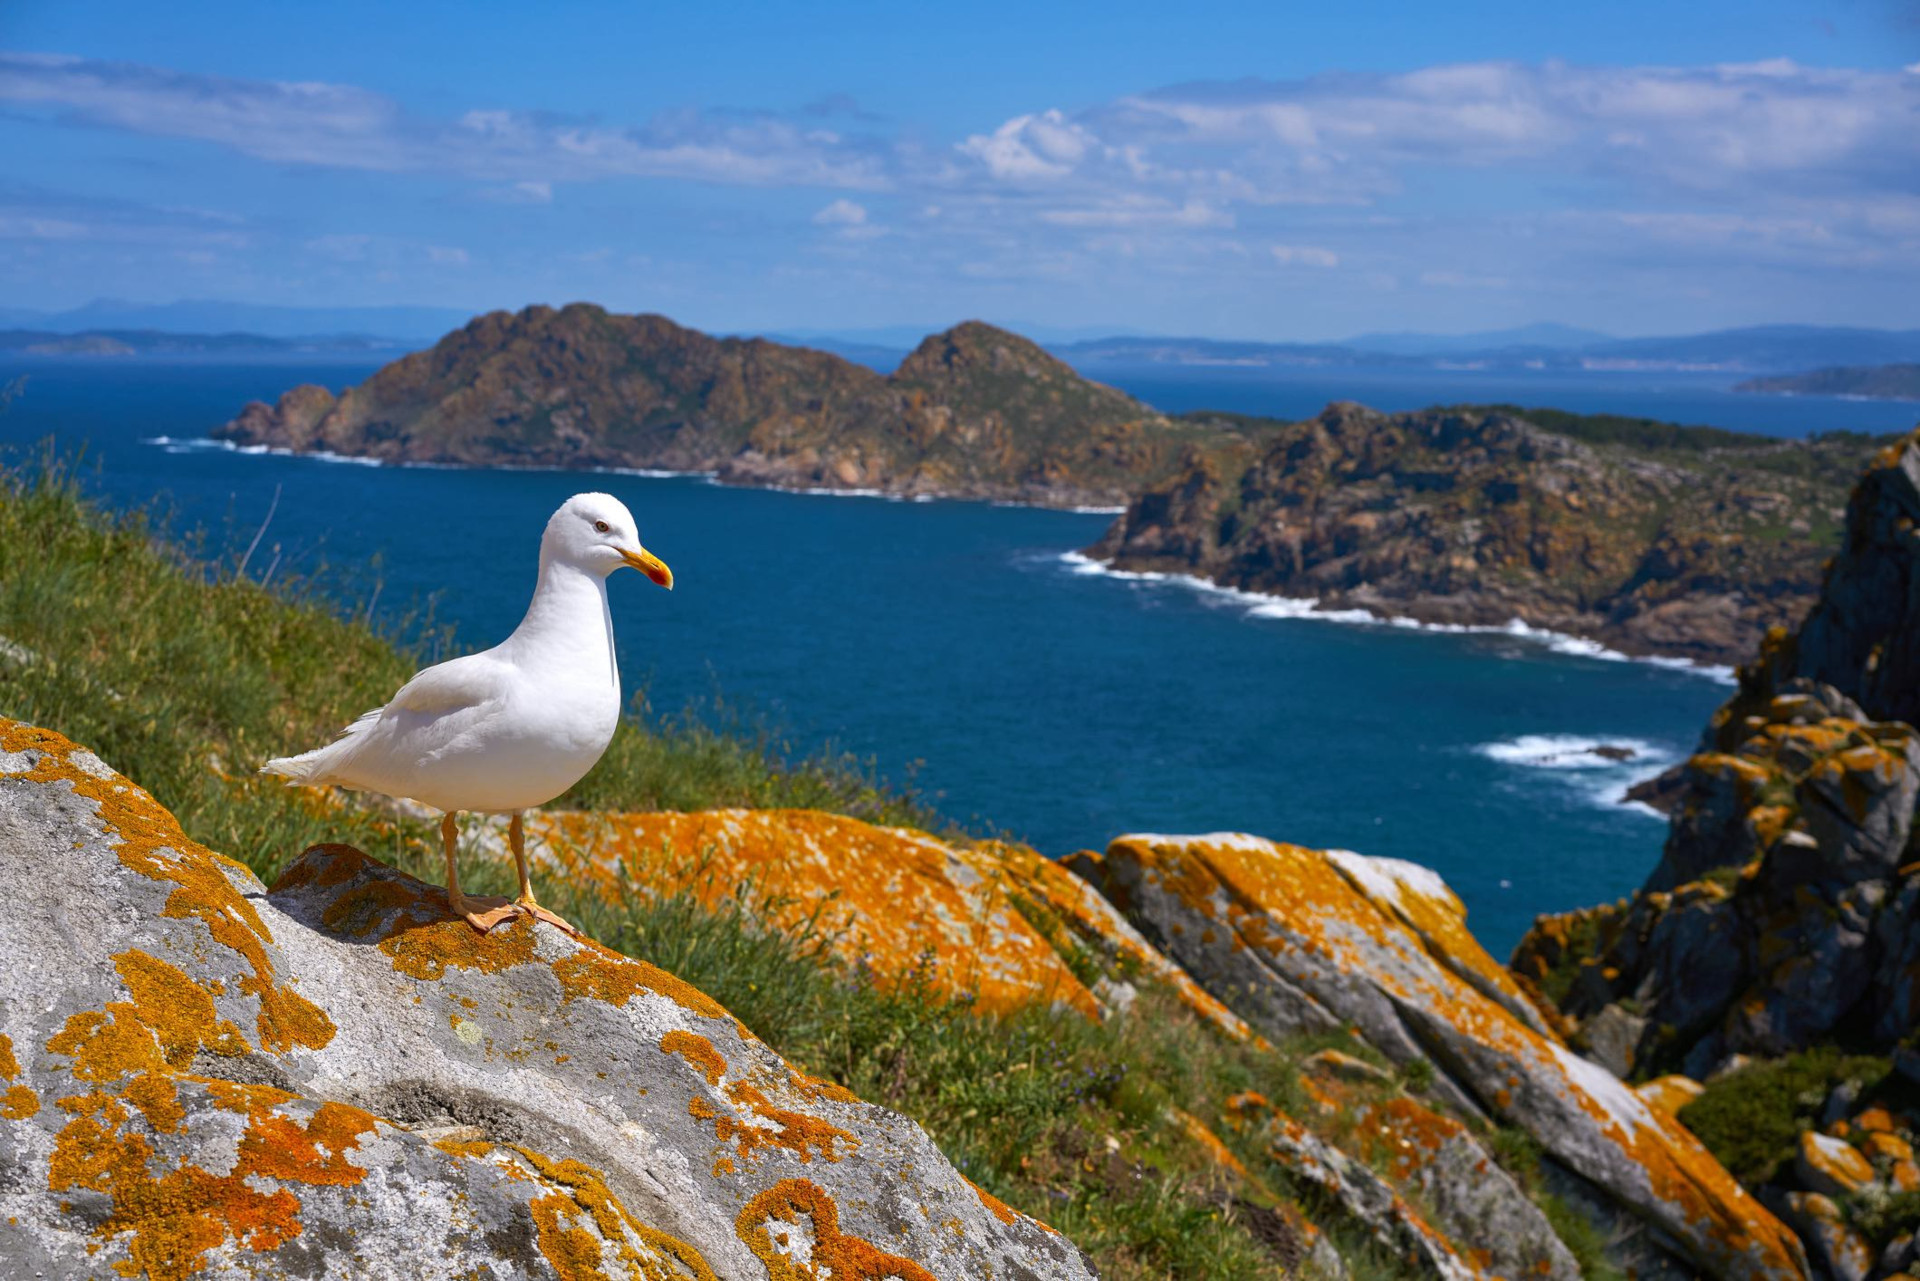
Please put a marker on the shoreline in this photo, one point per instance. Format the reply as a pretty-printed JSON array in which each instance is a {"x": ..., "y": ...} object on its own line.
[
  {"x": 711, "y": 476},
  {"x": 1262, "y": 605}
]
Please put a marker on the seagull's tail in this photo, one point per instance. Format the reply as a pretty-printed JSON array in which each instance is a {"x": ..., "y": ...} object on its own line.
[
  {"x": 321, "y": 764},
  {"x": 308, "y": 767}
]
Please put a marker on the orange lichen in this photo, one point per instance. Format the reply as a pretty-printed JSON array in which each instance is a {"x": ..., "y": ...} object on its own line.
[
  {"x": 573, "y": 1251},
  {"x": 804, "y": 1136},
  {"x": 172, "y": 1219},
  {"x": 602, "y": 974},
  {"x": 18, "y": 1103},
  {"x": 152, "y": 844},
  {"x": 1216, "y": 1151},
  {"x": 9, "y": 1066},
  {"x": 698, "y": 1051},
  {"x": 833, "y": 1254},
  {"x": 995, "y": 1206},
  {"x": 428, "y": 951},
  {"x": 645, "y": 1251},
  {"x": 908, "y": 906}
]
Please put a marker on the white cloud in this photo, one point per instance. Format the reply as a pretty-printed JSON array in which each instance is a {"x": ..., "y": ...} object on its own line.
[
  {"x": 1304, "y": 256},
  {"x": 447, "y": 256},
  {"x": 841, "y": 213}
]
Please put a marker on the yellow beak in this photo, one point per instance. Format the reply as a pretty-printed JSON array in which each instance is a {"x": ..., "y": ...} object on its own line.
[{"x": 650, "y": 565}]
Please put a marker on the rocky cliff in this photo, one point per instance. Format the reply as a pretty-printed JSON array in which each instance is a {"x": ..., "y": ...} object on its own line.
[
  {"x": 204, "y": 1076},
  {"x": 1782, "y": 925},
  {"x": 1651, "y": 539},
  {"x": 974, "y": 412}
]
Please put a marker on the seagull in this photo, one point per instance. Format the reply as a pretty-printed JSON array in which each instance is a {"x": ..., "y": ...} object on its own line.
[{"x": 511, "y": 727}]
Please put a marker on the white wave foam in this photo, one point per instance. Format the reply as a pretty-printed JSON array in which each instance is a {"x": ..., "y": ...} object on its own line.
[
  {"x": 1260, "y": 605},
  {"x": 1576, "y": 761}
]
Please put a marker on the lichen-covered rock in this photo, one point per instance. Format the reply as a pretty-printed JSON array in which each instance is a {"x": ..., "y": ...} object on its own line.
[
  {"x": 1485, "y": 1216},
  {"x": 990, "y": 920},
  {"x": 1837, "y": 1249},
  {"x": 337, "y": 1079},
  {"x": 1802, "y": 925},
  {"x": 1299, "y": 939},
  {"x": 1368, "y": 1200},
  {"x": 1830, "y": 1166}
]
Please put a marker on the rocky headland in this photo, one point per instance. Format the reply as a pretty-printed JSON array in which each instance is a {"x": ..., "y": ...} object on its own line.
[
  {"x": 1649, "y": 538},
  {"x": 1870, "y": 382},
  {"x": 1774, "y": 953},
  {"x": 974, "y": 412}
]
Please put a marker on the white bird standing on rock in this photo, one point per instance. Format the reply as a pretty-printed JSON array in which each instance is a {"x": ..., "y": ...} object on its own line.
[{"x": 511, "y": 727}]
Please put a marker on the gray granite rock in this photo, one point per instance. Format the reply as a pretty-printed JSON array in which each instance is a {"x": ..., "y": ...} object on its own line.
[{"x": 336, "y": 1079}]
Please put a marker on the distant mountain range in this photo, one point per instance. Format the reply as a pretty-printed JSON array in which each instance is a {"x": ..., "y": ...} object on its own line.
[
  {"x": 154, "y": 342},
  {"x": 1756, "y": 349},
  {"x": 122, "y": 328},
  {"x": 401, "y": 326}
]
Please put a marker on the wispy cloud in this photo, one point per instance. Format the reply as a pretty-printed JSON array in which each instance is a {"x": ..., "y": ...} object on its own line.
[
  {"x": 1487, "y": 176},
  {"x": 345, "y": 127}
]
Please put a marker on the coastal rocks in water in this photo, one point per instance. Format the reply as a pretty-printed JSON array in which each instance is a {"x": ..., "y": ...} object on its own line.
[
  {"x": 1297, "y": 939},
  {"x": 974, "y": 412},
  {"x": 201, "y": 1077},
  {"x": 1648, "y": 538}
]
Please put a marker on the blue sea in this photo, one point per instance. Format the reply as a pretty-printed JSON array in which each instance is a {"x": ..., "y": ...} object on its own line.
[{"x": 964, "y": 646}]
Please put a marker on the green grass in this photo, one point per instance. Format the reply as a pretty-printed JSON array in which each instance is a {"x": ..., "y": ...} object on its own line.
[
  {"x": 1751, "y": 1118},
  {"x": 186, "y": 677}
]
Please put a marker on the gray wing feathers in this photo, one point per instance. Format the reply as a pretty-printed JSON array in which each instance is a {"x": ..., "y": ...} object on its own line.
[{"x": 446, "y": 687}]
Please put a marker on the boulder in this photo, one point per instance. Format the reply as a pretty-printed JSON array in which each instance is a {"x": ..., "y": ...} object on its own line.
[
  {"x": 1298, "y": 939},
  {"x": 337, "y": 1078},
  {"x": 1438, "y": 1163},
  {"x": 1837, "y": 1249},
  {"x": 1830, "y": 1166}
]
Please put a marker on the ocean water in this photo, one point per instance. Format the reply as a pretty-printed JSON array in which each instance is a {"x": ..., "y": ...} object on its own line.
[{"x": 965, "y": 644}]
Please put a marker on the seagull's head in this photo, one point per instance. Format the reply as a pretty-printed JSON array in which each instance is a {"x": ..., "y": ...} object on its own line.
[{"x": 595, "y": 532}]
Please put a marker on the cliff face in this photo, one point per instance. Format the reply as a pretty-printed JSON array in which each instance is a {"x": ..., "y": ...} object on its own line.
[
  {"x": 974, "y": 412},
  {"x": 1690, "y": 544},
  {"x": 1783, "y": 921},
  {"x": 1782, "y": 912}
]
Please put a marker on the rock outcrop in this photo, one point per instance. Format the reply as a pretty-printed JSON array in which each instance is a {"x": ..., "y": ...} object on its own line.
[
  {"x": 1651, "y": 539},
  {"x": 1301, "y": 940},
  {"x": 989, "y": 921},
  {"x": 1785, "y": 911},
  {"x": 974, "y": 412},
  {"x": 203, "y": 1077}
]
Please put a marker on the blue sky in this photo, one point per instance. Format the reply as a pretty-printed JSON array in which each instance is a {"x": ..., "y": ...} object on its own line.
[{"x": 1272, "y": 171}]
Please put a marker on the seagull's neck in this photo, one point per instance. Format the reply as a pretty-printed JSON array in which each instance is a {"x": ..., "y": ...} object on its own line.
[{"x": 568, "y": 621}]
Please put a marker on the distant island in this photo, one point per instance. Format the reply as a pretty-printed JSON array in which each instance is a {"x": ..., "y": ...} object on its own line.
[
  {"x": 974, "y": 412},
  {"x": 1871, "y": 382}
]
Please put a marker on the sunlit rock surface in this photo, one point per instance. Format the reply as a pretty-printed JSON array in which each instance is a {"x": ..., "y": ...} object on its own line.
[
  {"x": 336, "y": 1079},
  {"x": 1298, "y": 939}
]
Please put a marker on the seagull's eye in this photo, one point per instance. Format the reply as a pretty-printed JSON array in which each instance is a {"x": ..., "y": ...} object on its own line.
[{"x": 600, "y": 527}]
